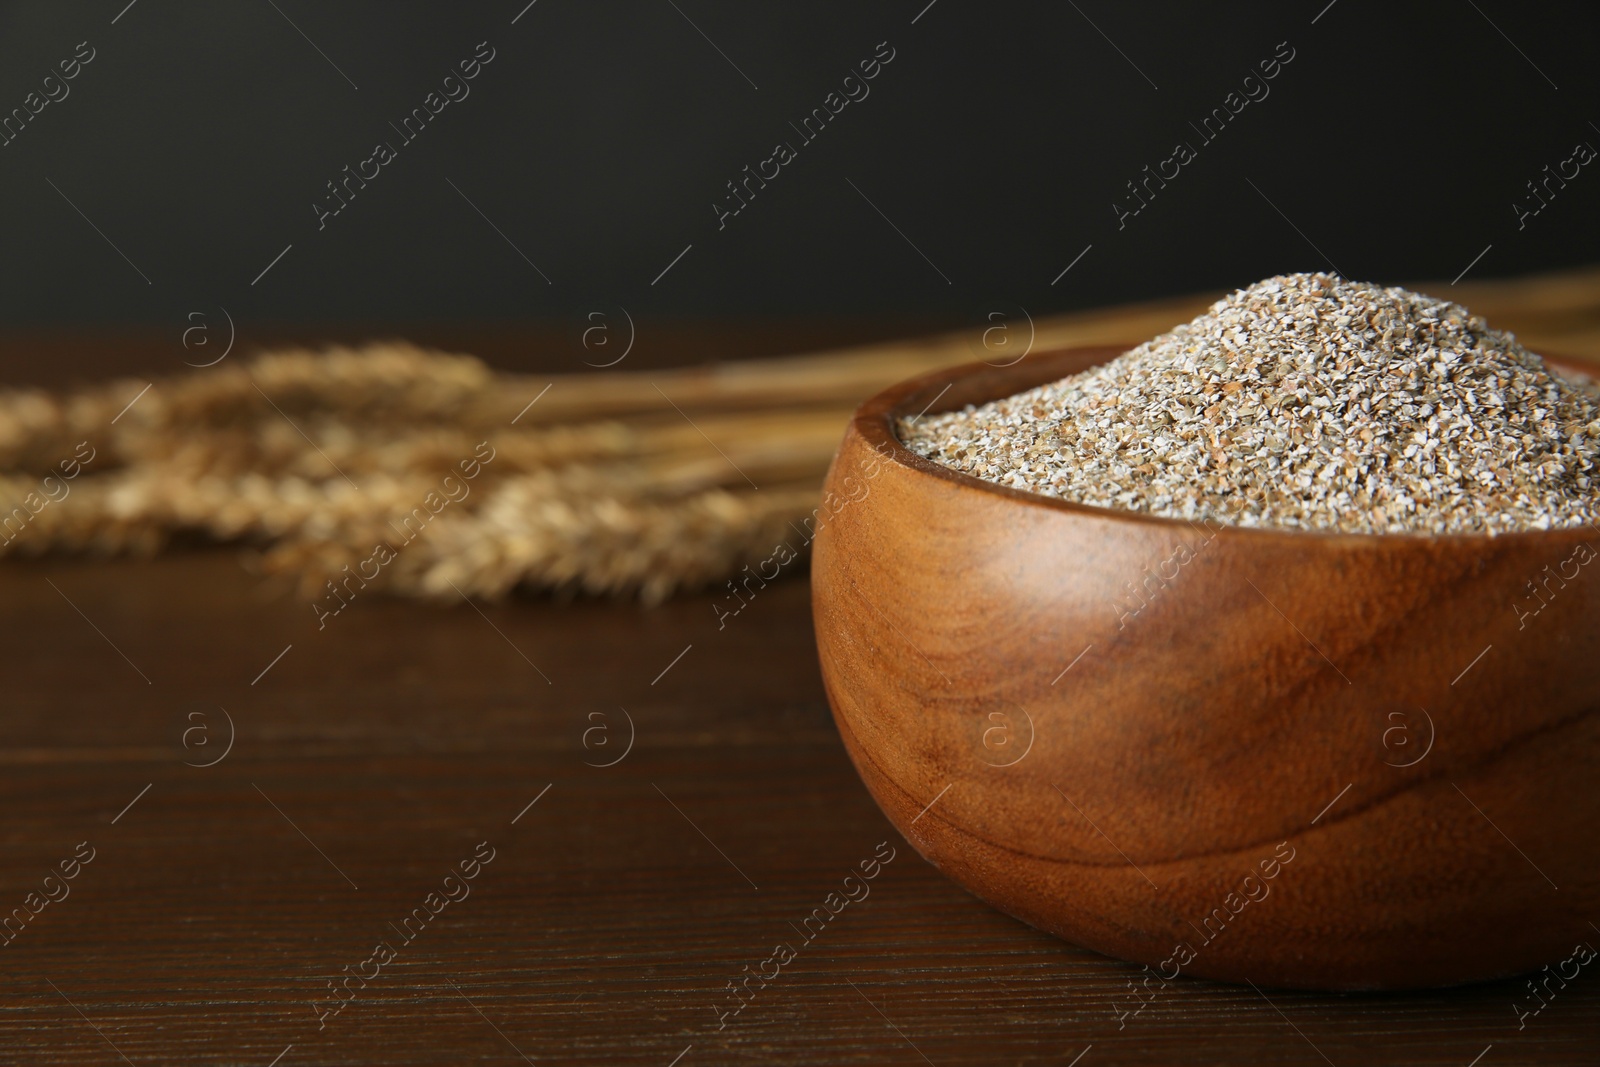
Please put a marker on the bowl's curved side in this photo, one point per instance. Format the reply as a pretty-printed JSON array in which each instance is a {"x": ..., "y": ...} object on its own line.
[{"x": 1105, "y": 725}]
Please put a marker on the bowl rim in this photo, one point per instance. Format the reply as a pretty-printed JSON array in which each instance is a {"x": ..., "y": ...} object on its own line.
[{"x": 875, "y": 422}]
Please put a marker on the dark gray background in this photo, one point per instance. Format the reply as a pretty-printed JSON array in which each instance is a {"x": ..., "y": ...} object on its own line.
[{"x": 598, "y": 139}]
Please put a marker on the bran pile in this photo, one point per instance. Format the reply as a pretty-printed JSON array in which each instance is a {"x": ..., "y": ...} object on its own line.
[{"x": 1302, "y": 401}]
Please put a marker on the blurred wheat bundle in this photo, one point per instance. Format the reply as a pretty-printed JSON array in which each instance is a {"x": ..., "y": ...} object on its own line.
[
  {"x": 615, "y": 483},
  {"x": 440, "y": 473}
]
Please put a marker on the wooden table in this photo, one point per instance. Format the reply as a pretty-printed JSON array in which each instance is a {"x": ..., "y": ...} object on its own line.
[{"x": 371, "y": 759}]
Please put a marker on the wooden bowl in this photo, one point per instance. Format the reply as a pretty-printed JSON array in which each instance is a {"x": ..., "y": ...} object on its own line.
[{"x": 1299, "y": 759}]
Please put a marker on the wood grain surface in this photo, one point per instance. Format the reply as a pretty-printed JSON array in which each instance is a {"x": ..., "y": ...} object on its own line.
[
  {"x": 609, "y": 923},
  {"x": 376, "y": 755}
]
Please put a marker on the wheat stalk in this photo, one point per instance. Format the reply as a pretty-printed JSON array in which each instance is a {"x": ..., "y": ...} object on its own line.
[
  {"x": 619, "y": 487},
  {"x": 614, "y": 483}
]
